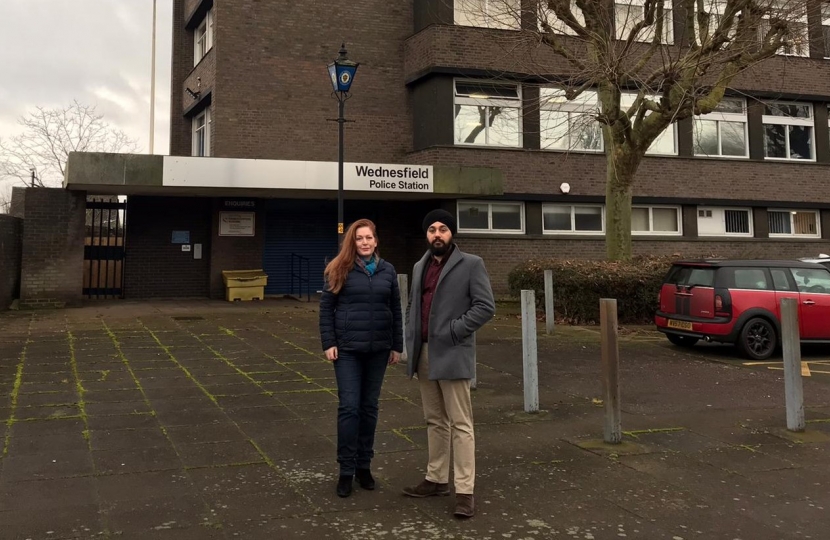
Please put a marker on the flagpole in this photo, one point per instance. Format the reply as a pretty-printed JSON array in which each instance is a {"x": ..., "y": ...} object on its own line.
[{"x": 153, "y": 83}]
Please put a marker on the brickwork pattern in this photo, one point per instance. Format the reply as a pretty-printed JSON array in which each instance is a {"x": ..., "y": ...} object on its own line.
[{"x": 11, "y": 238}]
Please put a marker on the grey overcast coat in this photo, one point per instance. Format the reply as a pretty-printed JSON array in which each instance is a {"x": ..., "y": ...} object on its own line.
[{"x": 462, "y": 303}]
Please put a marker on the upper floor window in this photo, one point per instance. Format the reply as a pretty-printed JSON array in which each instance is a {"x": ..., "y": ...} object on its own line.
[
  {"x": 724, "y": 221},
  {"x": 629, "y": 13},
  {"x": 663, "y": 220},
  {"x": 788, "y": 131},
  {"x": 488, "y": 114},
  {"x": 715, "y": 10},
  {"x": 569, "y": 125},
  {"x": 504, "y": 14},
  {"x": 201, "y": 134},
  {"x": 573, "y": 219},
  {"x": 793, "y": 223},
  {"x": 795, "y": 13},
  {"x": 825, "y": 28},
  {"x": 555, "y": 23},
  {"x": 722, "y": 132},
  {"x": 501, "y": 217},
  {"x": 666, "y": 142},
  {"x": 203, "y": 38}
]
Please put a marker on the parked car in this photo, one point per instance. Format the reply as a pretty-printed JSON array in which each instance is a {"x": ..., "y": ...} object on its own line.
[
  {"x": 739, "y": 302},
  {"x": 822, "y": 259}
]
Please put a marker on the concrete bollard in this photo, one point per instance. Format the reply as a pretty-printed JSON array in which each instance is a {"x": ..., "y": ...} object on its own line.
[
  {"x": 403, "y": 287},
  {"x": 793, "y": 384},
  {"x": 529, "y": 356},
  {"x": 549, "y": 302},
  {"x": 610, "y": 370}
]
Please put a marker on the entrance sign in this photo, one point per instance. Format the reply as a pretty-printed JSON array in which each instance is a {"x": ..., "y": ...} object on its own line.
[{"x": 236, "y": 223}]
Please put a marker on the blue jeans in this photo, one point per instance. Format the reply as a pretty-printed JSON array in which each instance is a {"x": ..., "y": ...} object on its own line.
[{"x": 359, "y": 379}]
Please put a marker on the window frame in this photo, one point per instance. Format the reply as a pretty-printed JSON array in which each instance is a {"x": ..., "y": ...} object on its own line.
[
  {"x": 716, "y": 116},
  {"x": 804, "y": 19},
  {"x": 726, "y": 234},
  {"x": 672, "y": 126},
  {"x": 195, "y": 133},
  {"x": 767, "y": 119},
  {"x": 573, "y": 230},
  {"x": 487, "y": 102},
  {"x": 489, "y": 204},
  {"x": 668, "y": 24},
  {"x": 570, "y": 107},
  {"x": 205, "y": 26},
  {"x": 500, "y": 25},
  {"x": 651, "y": 232},
  {"x": 825, "y": 23},
  {"x": 791, "y": 212}
]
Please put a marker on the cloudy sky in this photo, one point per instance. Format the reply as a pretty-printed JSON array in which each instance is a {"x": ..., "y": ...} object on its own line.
[{"x": 95, "y": 51}]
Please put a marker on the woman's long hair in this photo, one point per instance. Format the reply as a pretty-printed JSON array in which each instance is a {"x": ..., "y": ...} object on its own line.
[{"x": 337, "y": 270}]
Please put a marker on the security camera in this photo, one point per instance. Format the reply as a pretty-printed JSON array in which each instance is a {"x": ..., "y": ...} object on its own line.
[{"x": 565, "y": 188}]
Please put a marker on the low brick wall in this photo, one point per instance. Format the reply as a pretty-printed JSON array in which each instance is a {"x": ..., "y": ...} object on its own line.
[{"x": 11, "y": 241}]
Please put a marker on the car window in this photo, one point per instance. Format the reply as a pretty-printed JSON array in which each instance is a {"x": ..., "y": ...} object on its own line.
[
  {"x": 812, "y": 280},
  {"x": 690, "y": 275},
  {"x": 779, "y": 279},
  {"x": 750, "y": 278}
]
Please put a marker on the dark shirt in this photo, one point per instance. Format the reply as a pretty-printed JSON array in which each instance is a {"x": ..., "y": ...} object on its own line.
[{"x": 433, "y": 272}]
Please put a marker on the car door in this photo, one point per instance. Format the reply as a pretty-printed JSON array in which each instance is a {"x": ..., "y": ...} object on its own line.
[
  {"x": 814, "y": 301},
  {"x": 785, "y": 287}
]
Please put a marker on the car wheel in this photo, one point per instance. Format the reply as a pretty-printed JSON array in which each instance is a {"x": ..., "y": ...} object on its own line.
[
  {"x": 682, "y": 341},
  {"x": 757, "y": 339}
]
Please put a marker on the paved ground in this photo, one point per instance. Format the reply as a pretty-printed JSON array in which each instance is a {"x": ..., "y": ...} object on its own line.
[{"x": 205, "y": 420}]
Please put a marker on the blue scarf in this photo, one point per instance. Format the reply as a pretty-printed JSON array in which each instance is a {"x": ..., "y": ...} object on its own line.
[{"x": 369, "y": 266}]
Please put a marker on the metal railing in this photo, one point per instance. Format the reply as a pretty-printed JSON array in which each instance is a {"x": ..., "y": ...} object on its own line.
[{"x": 297, "y": 273}]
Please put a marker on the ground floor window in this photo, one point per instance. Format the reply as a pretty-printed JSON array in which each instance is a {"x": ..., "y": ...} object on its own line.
[
  {"x": 576, "y": 219},
  {"x": 724, "y": 221},
  {"x": 656, "y": 220},
  {"x": 497, "y": 217},
  {"x": 793, "y": 223}
]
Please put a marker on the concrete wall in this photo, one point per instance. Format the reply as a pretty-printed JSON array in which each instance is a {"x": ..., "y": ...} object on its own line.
[{"x": 11, "y": 236}]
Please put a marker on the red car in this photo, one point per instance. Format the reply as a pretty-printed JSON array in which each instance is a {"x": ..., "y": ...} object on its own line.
[{"x": 740, "y": 302}]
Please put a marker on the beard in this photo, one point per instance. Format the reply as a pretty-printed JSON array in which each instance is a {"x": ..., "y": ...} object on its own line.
[{"x": 439, "y": 248}]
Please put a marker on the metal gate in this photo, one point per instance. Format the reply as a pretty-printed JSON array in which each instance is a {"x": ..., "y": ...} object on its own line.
[{"x": 104, "y": 248}]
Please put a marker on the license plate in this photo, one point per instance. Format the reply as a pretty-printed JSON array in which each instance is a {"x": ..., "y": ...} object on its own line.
[{"x": 680, "y": 325}]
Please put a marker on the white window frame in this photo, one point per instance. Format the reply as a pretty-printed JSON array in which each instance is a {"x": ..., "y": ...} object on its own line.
[
  {"x": 716, "y": 9},
  {"x": 573, "y": 230},
  {"x": 792, "y": 212},
  {"x": 673, "y": 126},
  {"x": 777, "y": 6},
  {"x": 488, "y": 102},
  {"x": 791, "y": 121},
  {"x": 195, "y": 133},
  {"x": 574, "y": 108},
  {"x": 203, "y": 38},
  {"x": 490, "y": 229},
  {"x": 723, "y": 209},
  {"x": 724, "y": 117},
  {"x": 643, "y": 36},
  {"x": 480, "y": 17},
  {"x": 556, "y": 24},
  {"x": 651, "y": 232}
]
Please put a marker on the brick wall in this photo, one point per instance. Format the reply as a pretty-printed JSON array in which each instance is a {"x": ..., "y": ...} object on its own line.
[
  {"x": 182, "y": 64},
  {"x": 11, "y": 237},
  {"x": 18, "y": 202},
  {"x": 503, "y": 254},
  {"x": 53, "y": 248},
  {"x": 234, "y": 252},
  {"x": 157, "y": 268}
]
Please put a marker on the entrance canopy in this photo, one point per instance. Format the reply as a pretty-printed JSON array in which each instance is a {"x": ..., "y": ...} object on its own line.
[{"x": 139, "y": 174}]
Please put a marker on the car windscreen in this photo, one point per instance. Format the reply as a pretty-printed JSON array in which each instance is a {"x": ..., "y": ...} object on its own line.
[{"x": 695, "y": 276}]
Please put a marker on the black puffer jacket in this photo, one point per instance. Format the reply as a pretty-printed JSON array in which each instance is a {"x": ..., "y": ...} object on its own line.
[{"x": 365, "y": 316}]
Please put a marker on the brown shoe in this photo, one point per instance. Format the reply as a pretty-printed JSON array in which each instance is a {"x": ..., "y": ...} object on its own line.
[
  {"x": 427, "y": 489},
  {"x": 465, "y": 506}
]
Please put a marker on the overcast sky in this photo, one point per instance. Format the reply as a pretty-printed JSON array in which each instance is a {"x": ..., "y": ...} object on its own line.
[{"x": 95, "y": 51}]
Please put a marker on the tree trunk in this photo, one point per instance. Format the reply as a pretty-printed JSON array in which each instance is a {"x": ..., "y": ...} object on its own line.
[{"x": 618, "y": 189}]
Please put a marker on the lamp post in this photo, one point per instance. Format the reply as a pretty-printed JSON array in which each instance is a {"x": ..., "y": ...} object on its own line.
[{"x": 342, "y": 72}]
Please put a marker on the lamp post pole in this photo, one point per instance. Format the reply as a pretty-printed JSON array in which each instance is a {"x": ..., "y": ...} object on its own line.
[
  {"x": 341, "y": 124},
  {"x": 342, "y": 72}
]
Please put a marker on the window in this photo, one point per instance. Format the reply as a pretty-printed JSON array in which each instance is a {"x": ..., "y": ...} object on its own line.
[
  {"x": 793, "y": 223},
  {"x": 628, "y": 13},
  {"x": 666, "y": 142},
  {"x": 490, "y": 217},
  {"x": 504, "y": 14},
  {"x": 558, "y": 26},
  {"x": 488, "y": 114},
  {"x": 564, "y": 219},
  {"x": 795, "y": 13},
  {"x": 715, "y": 9},
  {"x": 724, "y": 221},
  {"x": 809, "y": 280},
  {"x": 825, "y": 28},
  {"x": 788, "y": 130},
  {"x": 690, "y": 275},
  {"x": 780, "y": 280},
  {"x": 569, "y": 125},
  {"x": 201, "y": 134},
  {"x": 722, "y": 132},
  {"x": 750, "y": 278},
  {"x": 655, "y": 220},
  {"x": 203, "y": 38}
]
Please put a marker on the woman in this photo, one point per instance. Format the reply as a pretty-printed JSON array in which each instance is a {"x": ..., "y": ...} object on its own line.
[{"x": 360, "y": 327}]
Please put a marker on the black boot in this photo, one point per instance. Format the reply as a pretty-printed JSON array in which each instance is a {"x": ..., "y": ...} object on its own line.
[
  {"x": 364, "y": 478},
  {"x": 344, "y": 485}
]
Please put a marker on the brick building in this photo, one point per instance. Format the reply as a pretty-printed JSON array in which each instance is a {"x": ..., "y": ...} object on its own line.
[{"x": 250, "y": 87}]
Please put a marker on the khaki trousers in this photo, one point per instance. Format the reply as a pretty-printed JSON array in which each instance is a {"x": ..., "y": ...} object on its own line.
[{"x": 448, "y": 410}]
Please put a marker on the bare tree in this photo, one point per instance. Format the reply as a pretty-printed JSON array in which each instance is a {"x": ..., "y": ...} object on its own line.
[
  {"x": 39, "y": 153},
  {"x": 5, "y": 199},
  {"x": 641, "y": 76}
]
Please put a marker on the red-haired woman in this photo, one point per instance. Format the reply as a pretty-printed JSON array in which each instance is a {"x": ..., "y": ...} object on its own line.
[{"x": 361, "y": 331}]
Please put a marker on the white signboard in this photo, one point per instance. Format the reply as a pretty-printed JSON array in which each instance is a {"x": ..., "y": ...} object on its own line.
[
  {"x": 236, "y": 223},
  {"x": 312, "y": 175}
]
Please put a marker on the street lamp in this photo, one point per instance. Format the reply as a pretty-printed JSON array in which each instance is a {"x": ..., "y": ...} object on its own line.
[{"x": 342, "y": 72}]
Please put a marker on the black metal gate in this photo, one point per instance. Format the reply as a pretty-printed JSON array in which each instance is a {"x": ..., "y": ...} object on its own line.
[{"x": 104, "y": 248}]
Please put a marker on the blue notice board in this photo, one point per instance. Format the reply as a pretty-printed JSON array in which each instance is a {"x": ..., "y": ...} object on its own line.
[{"x": 181, "y": 237}]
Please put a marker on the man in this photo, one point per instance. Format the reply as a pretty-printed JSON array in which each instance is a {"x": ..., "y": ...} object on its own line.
[{"x": 451, "y": 298}]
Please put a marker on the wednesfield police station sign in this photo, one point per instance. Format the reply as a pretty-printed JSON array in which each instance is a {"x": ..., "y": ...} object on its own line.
[{"x": 310, "y": 175}]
